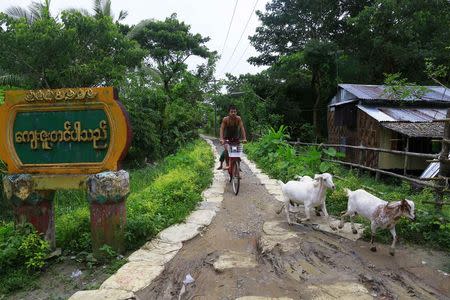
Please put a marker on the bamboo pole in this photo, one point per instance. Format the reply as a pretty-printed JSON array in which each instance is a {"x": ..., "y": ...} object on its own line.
[
  {"x": 405, "y": 165},
  {"x": 424, "y": 155},
  {"x": 363, "y": 186},
  {"x": 360, "y": 156},
  {"x": 420, "y": 182}
]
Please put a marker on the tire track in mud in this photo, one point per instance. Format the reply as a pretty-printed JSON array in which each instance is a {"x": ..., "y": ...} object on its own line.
[{"x": 295, "y": 262}]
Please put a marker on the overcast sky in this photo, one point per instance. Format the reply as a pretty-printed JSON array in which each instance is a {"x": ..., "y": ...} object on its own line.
[{"x": 207, "y": 17}]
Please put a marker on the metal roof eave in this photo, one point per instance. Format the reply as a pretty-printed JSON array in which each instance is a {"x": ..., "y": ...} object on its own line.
[{"x": 344, "y": 102}]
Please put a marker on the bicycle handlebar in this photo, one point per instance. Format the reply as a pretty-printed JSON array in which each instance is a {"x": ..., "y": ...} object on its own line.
[{"x": 235, "y": 141}]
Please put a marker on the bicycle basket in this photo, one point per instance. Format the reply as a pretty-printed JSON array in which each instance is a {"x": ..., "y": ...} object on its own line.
[{"x": 236, "y": 150}]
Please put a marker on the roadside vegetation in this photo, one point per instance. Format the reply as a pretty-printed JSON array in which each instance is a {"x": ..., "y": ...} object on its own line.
[
  {"x": 280, "y": 160},
  {"x": 161, "y": 195}
]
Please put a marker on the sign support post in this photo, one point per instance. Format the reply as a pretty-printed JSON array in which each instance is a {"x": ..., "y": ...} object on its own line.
[
  {"x": 32, "y": 206},
  {"x": 107, "y": 192}
]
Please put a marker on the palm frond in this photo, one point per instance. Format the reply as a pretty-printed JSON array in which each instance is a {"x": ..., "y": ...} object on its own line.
[
  {"x": 122, "y": 15},
  {"x": 97, "y": 7},
  {"x": 82, "y": 11},
  {"x": 18, "y": 12},
  {"x": 13, "y": 80},
  {"x": 138, "y": 28},
  {"x": 37, "y": 10},
  {"x": 107, "y": 11}
]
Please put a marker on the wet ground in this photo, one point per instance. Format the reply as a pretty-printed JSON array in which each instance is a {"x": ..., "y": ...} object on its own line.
[
  {"x": 63, "y": 277},
  {"x": 268, "y": 258}
]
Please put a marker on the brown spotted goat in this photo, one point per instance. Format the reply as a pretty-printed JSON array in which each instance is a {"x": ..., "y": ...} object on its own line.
[{"x": 380, "y": 213}]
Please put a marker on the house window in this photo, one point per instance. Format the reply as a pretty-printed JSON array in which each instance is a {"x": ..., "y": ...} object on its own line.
[
  {"x": 421, "y": 145},
  {"x": 397, "y": 141},
  {"x": 345, "y": 115}
]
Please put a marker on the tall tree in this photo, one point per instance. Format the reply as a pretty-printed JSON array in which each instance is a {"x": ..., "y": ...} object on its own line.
[
  {"x": 170, "y": 43},
  {"x": 398, "y": 35},
  {"x": 76, "y": 51},
  {"x": 288, "y": 25},
  {"x": 320, "y": 59}
]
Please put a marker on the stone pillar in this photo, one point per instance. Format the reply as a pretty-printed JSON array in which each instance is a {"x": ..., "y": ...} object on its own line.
[
  {"x": 107, "y": 192},
  {"x": 33, "y": 206}
]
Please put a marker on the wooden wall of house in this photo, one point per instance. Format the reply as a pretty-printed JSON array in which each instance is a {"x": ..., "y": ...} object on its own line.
[
  {"x": 369, "y": 132},
  {"x": 341, "y": 135}
]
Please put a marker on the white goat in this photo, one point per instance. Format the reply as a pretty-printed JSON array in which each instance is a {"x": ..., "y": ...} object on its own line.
[
  {"x": 303, "y": 178},
  {"x": 309, "y": 192},
  {"x": 380, "y": 213}
]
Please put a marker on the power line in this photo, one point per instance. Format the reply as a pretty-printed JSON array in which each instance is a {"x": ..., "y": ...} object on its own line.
[
  {"x": 229, "y": 27},
  {"x": 240, "y": 58},
  {"x": 242, "y": 34}
]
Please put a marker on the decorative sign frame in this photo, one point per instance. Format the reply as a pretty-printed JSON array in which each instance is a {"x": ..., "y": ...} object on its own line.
[{"x": 63, "y": 131}]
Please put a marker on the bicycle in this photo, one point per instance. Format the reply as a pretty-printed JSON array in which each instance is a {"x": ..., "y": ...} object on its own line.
[{"x": 234, "y": 154}]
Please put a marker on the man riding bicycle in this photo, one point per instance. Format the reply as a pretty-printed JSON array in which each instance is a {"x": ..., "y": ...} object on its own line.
[{"x": 230, "y": 128}]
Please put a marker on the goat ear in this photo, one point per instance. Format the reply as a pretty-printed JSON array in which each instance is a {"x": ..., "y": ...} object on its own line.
[
  {"x": 318, "y": 176},
  {"x": 405, "y": 204}
]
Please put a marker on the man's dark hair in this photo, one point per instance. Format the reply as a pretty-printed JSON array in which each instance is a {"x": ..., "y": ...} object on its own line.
[{"x": 232, "y": 106}]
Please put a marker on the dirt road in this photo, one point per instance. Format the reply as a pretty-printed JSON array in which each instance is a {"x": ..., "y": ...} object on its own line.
[{"x": 270, "y": 259}]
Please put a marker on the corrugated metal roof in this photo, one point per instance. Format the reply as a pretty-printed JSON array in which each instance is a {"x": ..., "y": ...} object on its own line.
[
  {"x": 375, "y": 113},
  {"x": 416, "y": 129},
  {"x": 400, "y": 114},
  {"x": 376, "y": 92},
  {"x": 414, "y": 114},
  {"x": 431, "y": 171},
  {"x": 412, "y": 122},
  {"x": 363, "y": 91}
]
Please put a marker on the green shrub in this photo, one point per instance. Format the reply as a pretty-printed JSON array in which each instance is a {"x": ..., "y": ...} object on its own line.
[
  {"x": 2, "y": 95},
  {"x": 16, "y": 279},
  {"x": 145, "y": 105},
  {"x": 162, "y": 120},
  {"x": 5, "y": 206},
  {"x": 21, "y": 245},
  {"x": 73, "y": 230},
  {"x": 283, "y": 161},
  {"x": 171, "y": 196},
  {"x": 181, "y": 123},
  {"x": 22, "y": 253}
]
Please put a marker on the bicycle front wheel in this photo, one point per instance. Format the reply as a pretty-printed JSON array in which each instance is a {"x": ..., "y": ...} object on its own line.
[{"x": 236, "y": 178}]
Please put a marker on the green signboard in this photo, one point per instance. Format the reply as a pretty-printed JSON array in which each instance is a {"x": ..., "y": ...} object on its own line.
[
  {"x": 63, "y": 131},
  {"x": 54, "y": 137}
]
